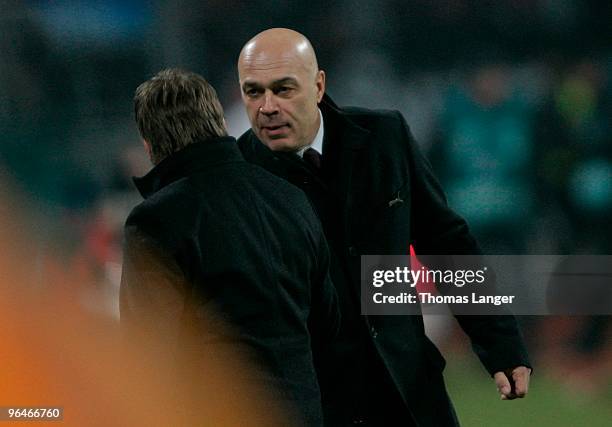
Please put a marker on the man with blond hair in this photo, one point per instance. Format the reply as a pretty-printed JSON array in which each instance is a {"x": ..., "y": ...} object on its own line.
[{"x": 222, "y": 255}]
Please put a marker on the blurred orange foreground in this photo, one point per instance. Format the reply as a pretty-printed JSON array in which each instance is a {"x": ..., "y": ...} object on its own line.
[{"x": 53, "y": 353}]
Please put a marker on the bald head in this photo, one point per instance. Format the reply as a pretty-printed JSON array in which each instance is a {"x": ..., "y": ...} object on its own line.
[
  {"x": 281, "y": 87},
  {"x": 279, "y": 45}
]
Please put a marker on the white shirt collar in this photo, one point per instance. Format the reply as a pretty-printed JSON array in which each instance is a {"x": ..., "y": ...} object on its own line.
[{"x": 317, "y": 144}]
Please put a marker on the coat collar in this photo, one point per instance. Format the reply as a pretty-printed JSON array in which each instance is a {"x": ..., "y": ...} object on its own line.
[
  {"x": 194, "y": 157},
  {"x": 340, "y": 132},
  {"x": 339, "y": 128},
  {"x": 344, "y": 143}
]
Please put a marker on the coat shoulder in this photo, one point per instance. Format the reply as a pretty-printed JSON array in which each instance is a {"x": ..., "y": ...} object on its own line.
[
  {"x": 388, "y": 128},
  {"x": 365, "y": 116},
  {"x": 154, "y": 214},
  {"x": 282, "y": 193}
]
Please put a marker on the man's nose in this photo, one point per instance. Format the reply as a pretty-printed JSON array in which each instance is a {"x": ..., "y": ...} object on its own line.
[{"x": 269, "y": 105}]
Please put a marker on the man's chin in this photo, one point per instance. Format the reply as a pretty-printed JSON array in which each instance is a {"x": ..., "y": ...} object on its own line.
[{"x": 280, "y": 144}]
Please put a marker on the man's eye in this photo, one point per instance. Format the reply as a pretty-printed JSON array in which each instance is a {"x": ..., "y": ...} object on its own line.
[
  {"x": 283, "y": 90},
  {"x": 252, "y": 92}
]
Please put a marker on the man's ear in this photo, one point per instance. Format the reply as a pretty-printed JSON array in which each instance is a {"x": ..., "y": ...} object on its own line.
[
  {"x": 147, "y": 148},
  {"x": 320, "y": 82}
]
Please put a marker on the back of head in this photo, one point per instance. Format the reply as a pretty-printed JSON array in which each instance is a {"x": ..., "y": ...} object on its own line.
[{"x": 176, "y": 108}]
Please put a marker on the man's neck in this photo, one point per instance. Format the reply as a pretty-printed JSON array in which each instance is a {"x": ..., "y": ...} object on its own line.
[{"x": 317, "y": 142}]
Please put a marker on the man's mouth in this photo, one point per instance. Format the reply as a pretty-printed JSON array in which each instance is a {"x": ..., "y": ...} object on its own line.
[{"x": 275, "y": 130}]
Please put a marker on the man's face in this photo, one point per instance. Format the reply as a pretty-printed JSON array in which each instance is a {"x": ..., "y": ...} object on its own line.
[{"x": 281, "y": 97}]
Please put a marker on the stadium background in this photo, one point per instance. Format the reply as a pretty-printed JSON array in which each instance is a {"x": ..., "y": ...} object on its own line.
[{"x": 510, "y": 100}]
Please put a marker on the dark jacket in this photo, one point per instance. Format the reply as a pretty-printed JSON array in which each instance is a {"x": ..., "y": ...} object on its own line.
[
  {"x": 224, "y": 247},
  {"x": 384, "y": 364}
]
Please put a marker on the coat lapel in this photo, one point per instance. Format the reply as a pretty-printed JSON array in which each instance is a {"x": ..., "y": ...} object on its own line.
[{"x": 343, "y": 153}]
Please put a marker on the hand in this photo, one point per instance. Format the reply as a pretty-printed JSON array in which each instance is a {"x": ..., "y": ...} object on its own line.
[{"x": 513, "y": 383}]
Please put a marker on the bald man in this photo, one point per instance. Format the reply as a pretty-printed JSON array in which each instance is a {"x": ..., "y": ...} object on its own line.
[{"x": 375, "y": 194}]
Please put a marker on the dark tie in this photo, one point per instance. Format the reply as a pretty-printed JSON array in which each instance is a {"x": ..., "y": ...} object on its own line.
[{"x": 312, "y": 157}]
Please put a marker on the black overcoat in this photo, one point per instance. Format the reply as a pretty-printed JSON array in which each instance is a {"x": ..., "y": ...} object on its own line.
[
  {"x": 384, "y": 364},
  {"x": 221, "y": 242}
]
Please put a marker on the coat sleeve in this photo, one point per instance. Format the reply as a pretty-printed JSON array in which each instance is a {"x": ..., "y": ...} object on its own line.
[
  {"x": 153, "y": 290},
  {"x": 438, "y": 230}
]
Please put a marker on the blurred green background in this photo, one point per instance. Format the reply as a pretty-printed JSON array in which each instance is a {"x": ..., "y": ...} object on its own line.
[{"x": 549, "y": 403}]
